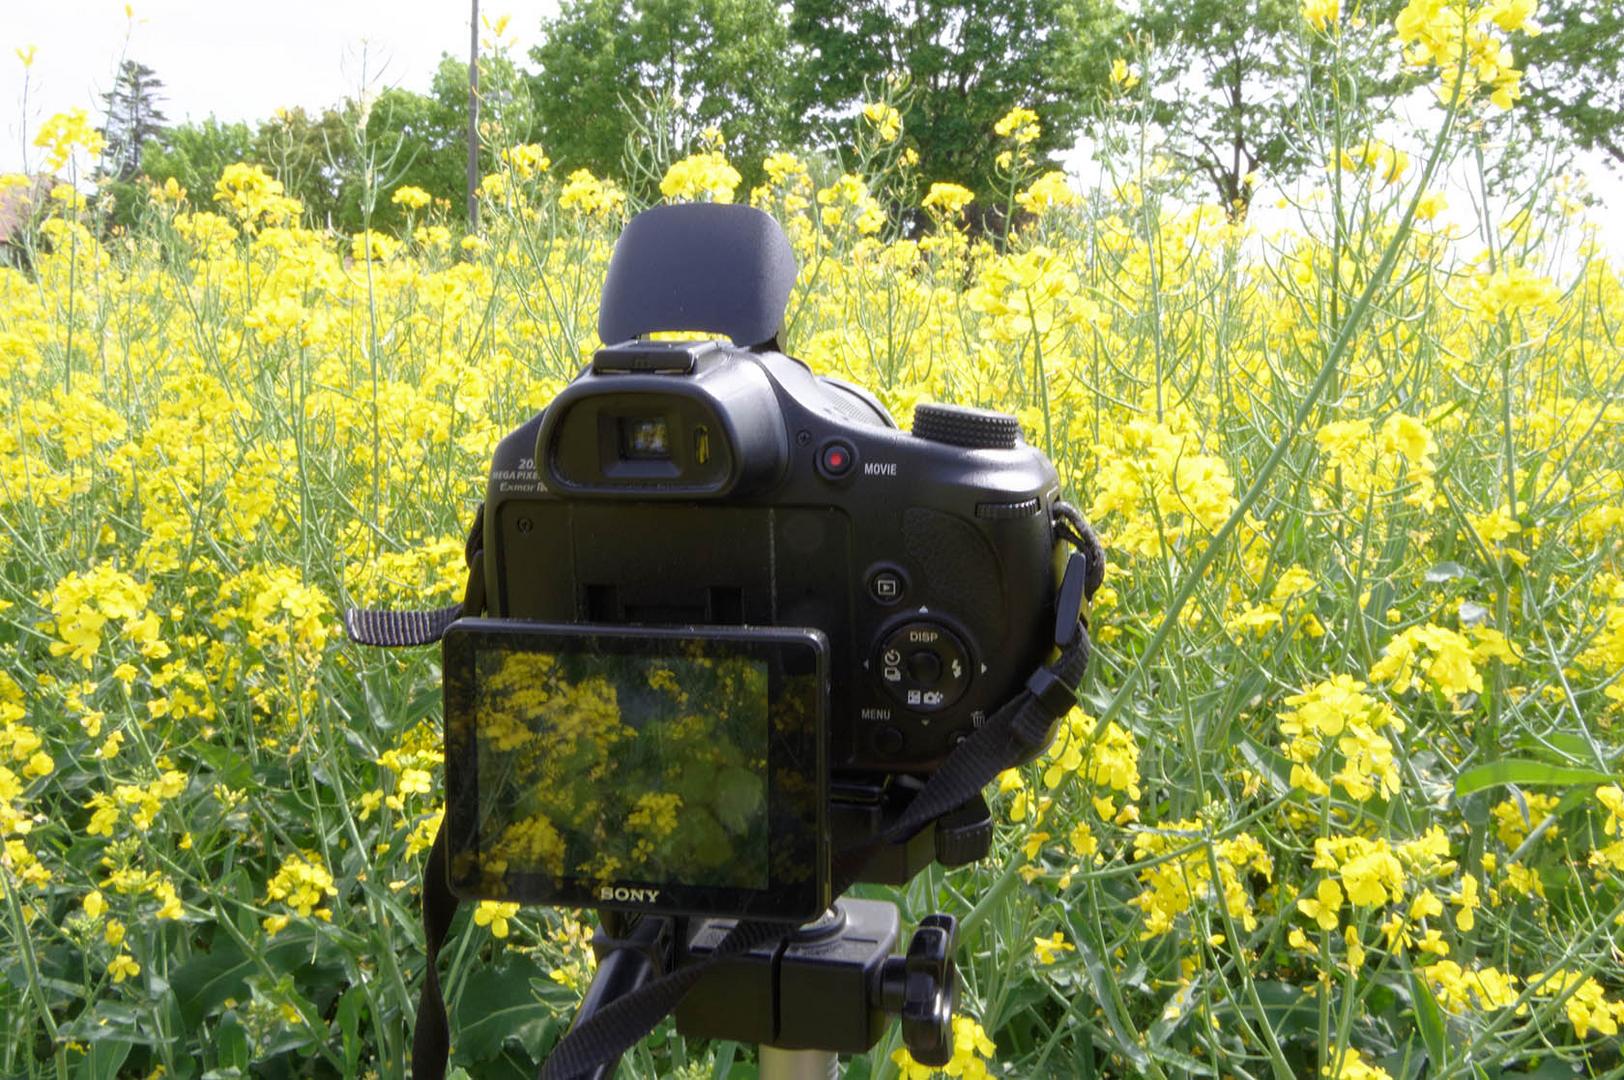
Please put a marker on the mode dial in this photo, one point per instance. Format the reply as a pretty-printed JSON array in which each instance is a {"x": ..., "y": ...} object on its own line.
[{"x": 960, "y": 425}]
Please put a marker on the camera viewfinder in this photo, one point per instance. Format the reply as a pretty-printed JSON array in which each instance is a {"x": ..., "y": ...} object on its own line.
[{"x": 644, "y": 438}]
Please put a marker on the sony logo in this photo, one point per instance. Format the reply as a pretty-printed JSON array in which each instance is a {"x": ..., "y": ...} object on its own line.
[{"x": 622, "y": 894}]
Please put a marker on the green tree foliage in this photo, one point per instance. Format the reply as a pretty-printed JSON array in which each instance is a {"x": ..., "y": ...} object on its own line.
[
  {"x": 133, "y": 118},
  {"x": 195, "y": 154},
  {"x": 1230, "y": 85},
  {"x": 1575, "y": 82},
  {"x": 303, "y": 152},
  {"x": 968, "y": 62},
  {"x": 601, "y": 62}
]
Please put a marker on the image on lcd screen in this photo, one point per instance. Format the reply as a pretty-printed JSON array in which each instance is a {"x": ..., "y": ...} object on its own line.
[{"x": 623, "y": 767}]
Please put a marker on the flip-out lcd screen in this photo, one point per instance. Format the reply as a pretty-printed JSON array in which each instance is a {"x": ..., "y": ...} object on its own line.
[{"x": 652, "y": 768}]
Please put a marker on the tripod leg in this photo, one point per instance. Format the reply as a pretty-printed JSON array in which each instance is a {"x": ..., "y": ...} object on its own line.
[{"x": 779, "y": 1064}]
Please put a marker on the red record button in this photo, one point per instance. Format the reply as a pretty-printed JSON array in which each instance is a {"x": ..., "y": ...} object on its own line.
[{"x": 836, "y": 459}]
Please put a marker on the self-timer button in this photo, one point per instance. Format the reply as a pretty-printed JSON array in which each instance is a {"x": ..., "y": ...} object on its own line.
[
  {"x": 924, "y": 666},
  {"x": 836, "y": 459}
]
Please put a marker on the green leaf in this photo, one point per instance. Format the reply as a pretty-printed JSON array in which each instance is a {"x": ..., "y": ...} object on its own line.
[
  {"x": 1290, "y": 1012},
  {"x": 231, "y": 1044},
  {"x": 350, "y": 1007},
  {"x": 1525, "y": 772},
  {"x": 104, "y": 1059},
  {"x": 1126, "y": 1044},
  {"x": 206, "y": 981},
  {"x": 1445, "y": 571},
  {"x": 1430, "y": 1019},
  {"x": 740, "y": 795},
  {"x": 496, "y": 1004}
]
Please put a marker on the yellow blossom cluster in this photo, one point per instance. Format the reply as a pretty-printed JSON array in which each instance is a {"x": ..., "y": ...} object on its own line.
[
  {"x": 1439, "y": 658},
  {"x": 590, "y": 195},
  {"x": 701, "y": 176},
  {"x": 1179, "y": 876},
  {"x": 1337, "y": 715},
  {"x": 1467, "y": 43},
  {"x": 887, "y": 122},
  {"x": 1361, "y": 463},
  {"x": 303, "y": 885}
]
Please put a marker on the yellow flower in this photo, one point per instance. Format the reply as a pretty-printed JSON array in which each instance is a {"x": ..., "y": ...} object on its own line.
[
  {"x": 1048, "y": 192},
  {"x": 495, "y": 915},
  {"x": 123, "y": 966},
  {"x": 1121, "y": 76},
  {"x": 1444, "y": 659},
  {"x": 301, "y": 884},
  {"x": 412, "y": 198},
  {"x": 972, "y": 1050},
  {"x": 1350, "y": 1065},
  {"x": 527, "y": 161},
  {"x": 588, "y": 195},
  {"x": 1020, "y": 124},
  {"x": 1493, "y": 527},
  {"x": 701, "y": 176},
  {"x": 1045, "y": 949},
  {"x": 1468, "y": 903},
  {"x": 950, "y": 199},
  {"x": 64, "y": 133},
  {"x": 1321, "y": 14},
  {"x": 1325, "y": 904},
  {"x": 886, "y": 120}
]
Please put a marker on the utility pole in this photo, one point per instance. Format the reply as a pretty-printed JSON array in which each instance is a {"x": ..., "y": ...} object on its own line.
[{"x": 473, "y": 117}]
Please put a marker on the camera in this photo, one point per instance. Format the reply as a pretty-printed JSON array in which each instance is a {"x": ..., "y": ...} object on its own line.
[{"x": 734, "y": 613}]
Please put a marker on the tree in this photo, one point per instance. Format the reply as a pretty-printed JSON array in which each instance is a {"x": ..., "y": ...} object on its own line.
[
  {"x": 305, "y": 153},
  {"x": 195, "y": 154},
  {"x": 1575, "y": 81},
  {"x": 969, "y": 62},
  {"x": 1234, "y": 87},
  {"x": 133, "y": 118},
  {"x": 724, "y": 62}
]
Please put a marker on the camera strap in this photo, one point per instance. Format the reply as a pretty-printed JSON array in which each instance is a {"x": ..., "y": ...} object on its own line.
[{"x": 1015, "y": 733}]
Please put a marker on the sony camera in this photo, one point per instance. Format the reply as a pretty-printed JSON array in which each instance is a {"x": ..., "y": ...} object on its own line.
[{"x": 733, "y": 613}]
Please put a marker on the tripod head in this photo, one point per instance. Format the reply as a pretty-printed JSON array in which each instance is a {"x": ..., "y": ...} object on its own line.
[{"x": 830, "y": 987}]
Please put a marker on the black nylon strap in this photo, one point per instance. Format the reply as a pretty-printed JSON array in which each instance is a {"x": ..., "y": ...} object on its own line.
[
  {"x": 396, "y": 629},
  {"x": 401, "y": 629},
  {"x": 431, "y": 1038}
]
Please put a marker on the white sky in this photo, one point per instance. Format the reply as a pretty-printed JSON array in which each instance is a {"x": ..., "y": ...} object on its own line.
[
  {"x": 242, "y": 59},
  {"x": 234, "y": 59}
]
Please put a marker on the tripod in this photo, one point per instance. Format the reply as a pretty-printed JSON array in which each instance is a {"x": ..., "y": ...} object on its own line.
[{"x": 828, "y": 988}]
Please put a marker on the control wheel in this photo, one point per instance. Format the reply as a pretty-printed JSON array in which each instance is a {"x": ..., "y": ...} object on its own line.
[{"x": 924, "y": 666}]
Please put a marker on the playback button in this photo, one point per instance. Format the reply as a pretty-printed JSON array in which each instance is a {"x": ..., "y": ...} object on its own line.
[
  {"x": 924, "y": 666},
  {"x": 886, "y": 585}
]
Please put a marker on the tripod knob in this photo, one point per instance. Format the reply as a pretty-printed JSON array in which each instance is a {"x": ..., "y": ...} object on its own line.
[{"x": 924, "y": 986}]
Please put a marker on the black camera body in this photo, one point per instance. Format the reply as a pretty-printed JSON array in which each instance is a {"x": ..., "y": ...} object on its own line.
[
  {"x": 685, "y": 483},
  {"x": 734, "y": 614}
]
